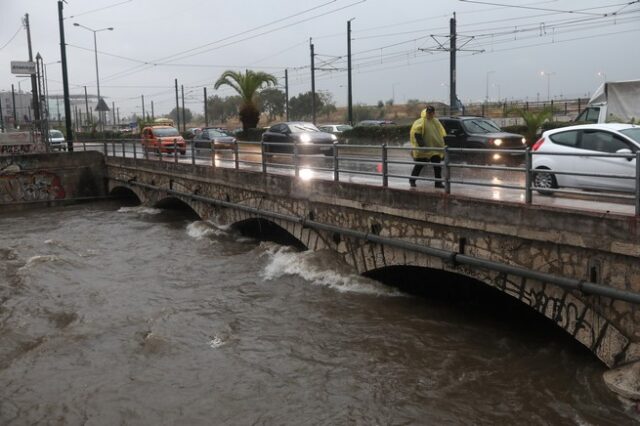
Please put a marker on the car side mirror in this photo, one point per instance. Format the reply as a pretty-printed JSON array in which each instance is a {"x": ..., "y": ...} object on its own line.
[{"x": 626, "y": 151}]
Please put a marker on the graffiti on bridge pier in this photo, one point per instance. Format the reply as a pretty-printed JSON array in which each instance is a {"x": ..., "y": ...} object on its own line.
[{"x": 30, "y": 186}]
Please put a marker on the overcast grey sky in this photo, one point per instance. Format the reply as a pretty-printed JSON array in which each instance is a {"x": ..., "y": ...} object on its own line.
[{"x": 577, "y": 43}]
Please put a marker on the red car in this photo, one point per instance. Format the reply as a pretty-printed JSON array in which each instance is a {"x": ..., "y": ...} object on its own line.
[{"x": 163, "y": 139}]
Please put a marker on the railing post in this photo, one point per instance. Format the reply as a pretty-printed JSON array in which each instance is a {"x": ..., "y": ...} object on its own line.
[
  {"x": 236, "y": 153},
  {"x": 336, "y": 169},
  {"x": 106, "y": 152},
  {"x": 528, "y": 197},
  {"x": 123, "y": 149},
  {"x": 193, "y": 151},
  {"x": 145, "y": 151},
  {"x": 113, "y": 148},
  {"x": 212, "y": 150},
  {"x": 159, "y": 152},
  {"x": 296, "y": 160},
  {"x": 637, "y": 183},
  {"x": 84, "y": 145},
  {"x": 135, "y": 153},
  {"x": 385, "y": 166},
  {"x": 447, "y": 171},
  {"x": 175, "y": 150},
  {"x": 262, "y": 158}
]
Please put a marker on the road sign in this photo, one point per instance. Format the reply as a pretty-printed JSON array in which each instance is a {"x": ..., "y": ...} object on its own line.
[{"x": 23, "y": 67}]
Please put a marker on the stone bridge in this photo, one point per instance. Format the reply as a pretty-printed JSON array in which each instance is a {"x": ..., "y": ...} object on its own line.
[{"x": 577, "y": 268}]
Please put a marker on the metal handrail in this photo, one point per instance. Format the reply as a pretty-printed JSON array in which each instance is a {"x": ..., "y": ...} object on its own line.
[{"x": 339, "y": 163}]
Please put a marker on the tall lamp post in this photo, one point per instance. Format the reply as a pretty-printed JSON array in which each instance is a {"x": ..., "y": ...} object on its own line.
[
  {"x": 486, "y": 97},
  {"x": 95, "y": 50},
  {"x": 548, "y": 75}
]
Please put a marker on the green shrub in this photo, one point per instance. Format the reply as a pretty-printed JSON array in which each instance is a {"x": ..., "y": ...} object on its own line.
[
  {"x": 516, "y": 128},
  {"x": 107, "y": 135},
  {"x": 393, "y": 135},
  {"x": 251, "y": 134}
]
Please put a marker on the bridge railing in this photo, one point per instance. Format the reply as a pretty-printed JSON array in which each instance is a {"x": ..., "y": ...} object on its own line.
[{"x": 392, "y": 165}]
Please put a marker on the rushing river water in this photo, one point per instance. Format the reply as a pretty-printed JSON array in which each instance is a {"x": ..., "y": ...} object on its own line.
[{"x": 131, "y": 315}]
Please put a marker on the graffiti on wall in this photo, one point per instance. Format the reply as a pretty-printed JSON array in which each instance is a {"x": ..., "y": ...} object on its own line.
[
  {"x": 30, "y": 186},
  {"x": 20, "y": 149}
]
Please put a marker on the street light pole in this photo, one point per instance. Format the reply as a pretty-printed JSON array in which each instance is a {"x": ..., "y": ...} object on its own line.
[
  {"x": 548, "y": 75},
  {"x": 95, "y": 51},
  {"x": 486, "y": 98}
]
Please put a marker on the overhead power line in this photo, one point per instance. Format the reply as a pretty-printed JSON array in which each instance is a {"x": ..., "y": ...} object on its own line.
[{"x": 12, "y": 37}]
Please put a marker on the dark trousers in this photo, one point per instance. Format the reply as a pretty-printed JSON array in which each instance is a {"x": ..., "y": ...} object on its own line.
[{"x": 437, "y": 170}]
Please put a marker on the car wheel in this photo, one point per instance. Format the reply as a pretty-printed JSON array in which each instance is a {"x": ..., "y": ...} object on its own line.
[{"x": 544, "y": 180}]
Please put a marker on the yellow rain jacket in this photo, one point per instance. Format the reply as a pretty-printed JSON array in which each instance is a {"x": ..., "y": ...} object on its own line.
[{"x": 432, "y": 133}]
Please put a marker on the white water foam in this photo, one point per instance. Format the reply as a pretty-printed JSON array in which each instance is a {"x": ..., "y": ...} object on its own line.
[
  {"x": 139, "y": 210},
  {"x": 37, "y": 260},
  {"x": 320, "y": 268},
  {"x": 216, "y": 342},
  {"x": 201, "y": 229}
]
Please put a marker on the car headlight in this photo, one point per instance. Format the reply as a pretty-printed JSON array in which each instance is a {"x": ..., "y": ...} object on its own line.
[
  {"x": 497, "y": 142},
  {"x": 524, "y": 141},
  {"x": 305, "y": 138},
  {"x": 334, "y": 137}
]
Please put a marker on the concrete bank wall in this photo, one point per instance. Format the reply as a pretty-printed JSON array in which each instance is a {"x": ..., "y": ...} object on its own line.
[{"x": 36, "y": 180}]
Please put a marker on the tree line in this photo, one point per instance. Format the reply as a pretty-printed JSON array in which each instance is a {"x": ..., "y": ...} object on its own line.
[{"x": 256, "y": 92}]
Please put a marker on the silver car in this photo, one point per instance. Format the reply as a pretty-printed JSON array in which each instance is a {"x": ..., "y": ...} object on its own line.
[{"x": 56, "y": 139}]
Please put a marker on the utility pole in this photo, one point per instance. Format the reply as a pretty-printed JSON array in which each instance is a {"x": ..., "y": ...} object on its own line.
[
  {"x": 86, "y": 105},
  {"x": 349, "y": 81},
  {"x": 113, "y": 113},
  {"x": 144, "y": 117},
  {"x": 184, "y": 121},
  {"x": 34, "y": 84},
  {"x": 452, "y": 49},
  {"x": 453, "y": 100},
  {"x": 177, "y": 106},
  {"x": 65, "y": 80},
  {"x": 153, "y": 114},
  {"x": 313, "y": 84},
  {"x": 1, "y": 118},
  {"x": 206, "y": 113},
  {"x": 118, "y": 114},
  {"x": 286, "y": 94},
  {"x": 13, "y": 100}
]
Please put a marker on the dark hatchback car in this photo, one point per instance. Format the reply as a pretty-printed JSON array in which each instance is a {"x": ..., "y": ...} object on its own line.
[
  {"x": 213, "y": 137},
  {"x": 481, "y": 133},
  {"x": 281, "y": 137}
]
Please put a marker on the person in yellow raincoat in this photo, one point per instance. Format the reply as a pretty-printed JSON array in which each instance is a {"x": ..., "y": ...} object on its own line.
[{"x": 427, "y": 131}]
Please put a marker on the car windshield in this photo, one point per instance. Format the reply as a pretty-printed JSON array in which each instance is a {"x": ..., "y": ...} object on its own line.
[
  {"x": 302, "y": 127},
  {"x": 216, "y": 134},
  {"x": 344, "y": 128},
  {"x": 480, "y": 126},
  {"x": 633, "y": 133},
  {"x": 165, "y": 132},
  {"x": 56, "y": 134}
]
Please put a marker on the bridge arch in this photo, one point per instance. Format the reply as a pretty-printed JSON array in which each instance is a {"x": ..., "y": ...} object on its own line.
[
  {"x": 571, "y": 311},
  {"x": 264, "y": 229},
  {"x": 127, "y": 192}
]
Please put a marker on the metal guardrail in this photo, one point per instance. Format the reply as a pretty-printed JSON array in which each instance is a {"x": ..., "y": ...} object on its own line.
[{"x": 378, "y": 161}]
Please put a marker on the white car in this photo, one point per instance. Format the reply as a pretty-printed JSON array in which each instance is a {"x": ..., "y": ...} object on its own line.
[
  {"x": 334, "y": 128},
  {"x": 583, "y": 144},
  {"x": 56, "y": 139}
]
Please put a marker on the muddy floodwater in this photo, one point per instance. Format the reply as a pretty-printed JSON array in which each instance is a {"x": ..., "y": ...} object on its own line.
[{"x": 138, "y": 316}]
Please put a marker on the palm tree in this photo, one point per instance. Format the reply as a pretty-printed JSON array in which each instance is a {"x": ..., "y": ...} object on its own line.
[
  {"x": 247, "y": 86},
  {"x": 533, "y": 121}
]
